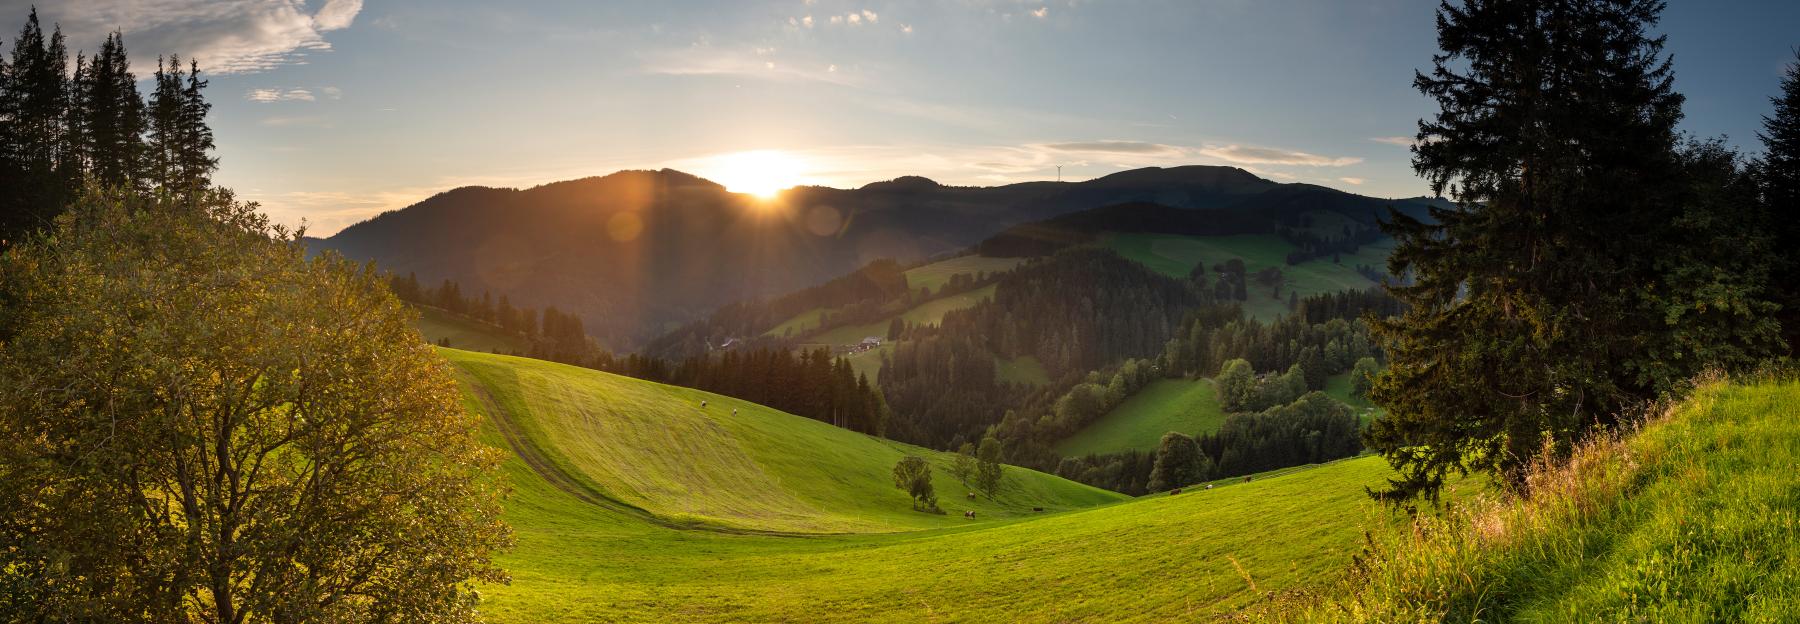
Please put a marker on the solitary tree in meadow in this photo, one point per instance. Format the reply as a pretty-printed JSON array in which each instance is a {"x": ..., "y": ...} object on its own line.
[
  {"x": 989, "y": 473},
  {"x": 913, "y": 474}
]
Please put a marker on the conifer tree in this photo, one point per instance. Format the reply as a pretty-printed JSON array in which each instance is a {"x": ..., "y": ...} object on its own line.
[
  {"x": 1779, "y": 171},
  {"x": 1537, "y": 309},
  {"x": 112, "y": 115}
]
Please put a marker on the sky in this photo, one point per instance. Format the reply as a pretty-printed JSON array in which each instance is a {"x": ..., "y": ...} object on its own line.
[{"x": 328, "y": 112}]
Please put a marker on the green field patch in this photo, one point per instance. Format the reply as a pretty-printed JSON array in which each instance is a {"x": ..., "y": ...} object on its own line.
[
  {"x": 463, "y": 333},
  {"x": 1190, "y": 406},
  {"x": 1338, "y": 387},
  {"x": 936, "y": 274},
  {"x": 1024, "y": 369},
  {"x": 800, "y": 324},
  {"x": 868, "y": 363},
  {"x": 1176, "y": 256},
  {"x": 929, "y": 313}
]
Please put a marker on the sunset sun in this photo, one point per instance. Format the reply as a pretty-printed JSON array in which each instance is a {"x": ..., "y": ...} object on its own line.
[{"x": 762, "y": 173}]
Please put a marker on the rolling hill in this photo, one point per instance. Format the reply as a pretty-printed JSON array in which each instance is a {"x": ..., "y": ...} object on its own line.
[
  {"x": 638, "y": 253},
  {"x": 631, "y": 503}
]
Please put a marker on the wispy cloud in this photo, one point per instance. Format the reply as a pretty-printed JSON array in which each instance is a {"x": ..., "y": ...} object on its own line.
[
  {"x": 1040, "y": 12},
  {"x": 1401, "y": 141},
  {"x": 1251, "y": 155},
  {"x": 1349, "y": 180},
  {"x": 757, "y": 63},
  {"x": 281, "y": 95},
  {"x": 1118, "y": 147},
  {"x": 225, "y": 36}
]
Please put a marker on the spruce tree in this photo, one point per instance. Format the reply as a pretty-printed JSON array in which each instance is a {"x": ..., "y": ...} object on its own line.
[
  {"x": 1779, "y": 173},
  {"x": 41, "y": 173},
  {"x": 113, "y": 116},
  {"x": 1543, "y": 303}
]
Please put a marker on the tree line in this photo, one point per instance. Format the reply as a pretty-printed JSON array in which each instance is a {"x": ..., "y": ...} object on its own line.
[{"x": 66, "y": 124}]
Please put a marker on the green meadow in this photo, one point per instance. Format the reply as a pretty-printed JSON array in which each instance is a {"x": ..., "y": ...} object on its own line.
[
  {"x": 1189, "y": 406},
  {"x": 1175, "y": 256},
  {"x": 632, "y": 503},
  {"x": 463, "y": 333},
  {"x": 936, "y": 274}
]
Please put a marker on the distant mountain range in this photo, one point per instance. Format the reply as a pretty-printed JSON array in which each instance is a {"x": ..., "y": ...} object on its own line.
[{"x": 636, "y": 253}]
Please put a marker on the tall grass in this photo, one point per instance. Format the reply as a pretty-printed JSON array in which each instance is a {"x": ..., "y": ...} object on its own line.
[{"x": 1688, "y": 515}]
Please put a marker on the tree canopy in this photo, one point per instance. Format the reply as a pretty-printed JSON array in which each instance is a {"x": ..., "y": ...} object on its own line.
[{"x": 198, "y": 423}]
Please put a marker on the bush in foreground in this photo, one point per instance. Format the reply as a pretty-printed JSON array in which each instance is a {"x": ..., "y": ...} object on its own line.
[{"x": 197, "y": 423}]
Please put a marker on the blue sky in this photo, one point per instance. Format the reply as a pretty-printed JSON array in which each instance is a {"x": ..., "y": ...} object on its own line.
[{"x": 333, "y": 110}]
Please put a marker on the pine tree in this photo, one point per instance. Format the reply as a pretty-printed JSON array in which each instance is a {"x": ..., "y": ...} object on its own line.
[
  {"x": 1541, "y": 305},
  {"x": 113, "y": 117},
  {"x": 165, "y": 117},
  {"x": 1779, "y": 173},
  {"x": 194, "y": 162},
  {"x": 40, "y": 172}
]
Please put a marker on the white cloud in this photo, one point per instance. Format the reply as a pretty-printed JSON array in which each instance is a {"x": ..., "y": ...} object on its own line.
[
  {"x": 1245, "y": 154},
  {"x": 1116, "y": 147},
  {"x": 870, "y": 16},
  {"x": 225, "y": 36},
  {"x": 1401, "y": 141},
  {"x": 1040, "y": 12},
  {"x": 906, "y": 28},
  {"x": 854, "y": 18},
  {"x": 333, "y": 92},
  {"x": 837, "y": 19},
  {"x": 1348, "y": 180},
  {"x": 336, "y": 14},
  {"x": 806, "y": 21},
  {"x": 284, "y": 95}
]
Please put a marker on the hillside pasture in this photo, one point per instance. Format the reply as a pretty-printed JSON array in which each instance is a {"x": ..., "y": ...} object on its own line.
[
  {"x": 937, "y": 274},
  {"x": 1176, "y": 256},
  {"x": 462, "y": 333},
  {"x": 1190, "y": 406}
]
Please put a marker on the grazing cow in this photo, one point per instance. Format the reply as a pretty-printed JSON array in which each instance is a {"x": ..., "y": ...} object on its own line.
[
  {"x": 734, "y": 411},
  {"x": 1174, "y": 491},
  {"x": 703, "y": 404},
  {"x": 1209, "y": 486},
  {"x": 1038, "y": 509},
  {"x": 969, "y": 514},
  {"x": 971, "y": 496},
  {"x": 1246, "y": 478}
]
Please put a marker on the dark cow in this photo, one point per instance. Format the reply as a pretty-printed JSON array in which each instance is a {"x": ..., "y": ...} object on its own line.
[
  {"x": 1038, "y": 509},
  {"x": 969, "y": 514},
  {"x": 1174, "y": 491},
  {"x": 1246, "y": 478}
]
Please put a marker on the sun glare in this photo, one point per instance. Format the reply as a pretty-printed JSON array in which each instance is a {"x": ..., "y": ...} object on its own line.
[{"x": 762, "y": 173}]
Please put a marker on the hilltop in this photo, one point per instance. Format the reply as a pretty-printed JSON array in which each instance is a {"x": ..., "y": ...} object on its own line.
[{"x": 637, "y": 253}]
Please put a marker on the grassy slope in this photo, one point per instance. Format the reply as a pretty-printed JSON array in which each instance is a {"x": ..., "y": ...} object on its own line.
[
  {"x": 652, "y": 447},
  {"x": 799, "y": 325},
  {"x": 1177, "y": 255},
  {"x": 936, "y": 274},
  {"x": 1338, "y": 387},
  {"x": 437, "y": 324},
  {"x": 1185, "y": 405},
  {"x": 929, "y": 313},
  {"x": 1155, "y": 559},
  {"x": 1694, "y": 519}
]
